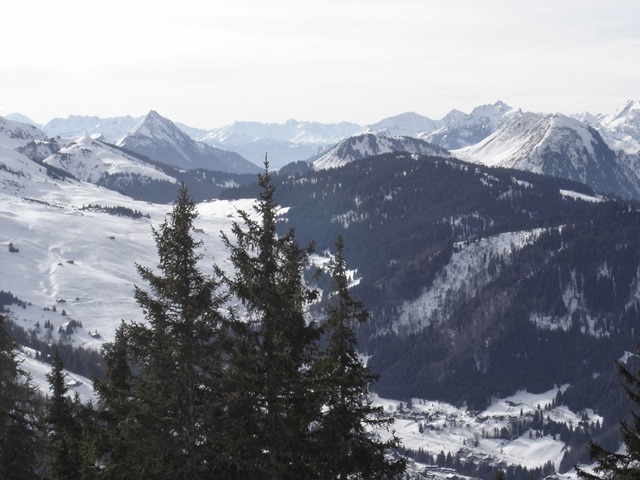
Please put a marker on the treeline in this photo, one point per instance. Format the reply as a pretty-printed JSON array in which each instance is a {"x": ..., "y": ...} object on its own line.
[{"x": 199, "y": 390}]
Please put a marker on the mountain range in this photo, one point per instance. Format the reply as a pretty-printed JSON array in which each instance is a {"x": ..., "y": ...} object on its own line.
[
  {"x": 499, "y": 270},
  {"x": 600, "y": 150}
]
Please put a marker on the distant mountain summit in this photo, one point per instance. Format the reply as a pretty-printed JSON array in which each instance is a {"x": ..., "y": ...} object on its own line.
[
  {"x": 409, "y": 124},
  {"x": 19, "y": 117},
  {"x": 160, "y": 139},
  {"x": 559, "y": 146},
  {"x": 459, "y": 129},
  {"x": 14, "y": 134},
  {"x": 111, "y": 129},
  {"x": 285, "y": 143},
  {"x": 368, "y": 145},
  {"x": 455, "y": 130},
  {"x": 623, "y": 127}
]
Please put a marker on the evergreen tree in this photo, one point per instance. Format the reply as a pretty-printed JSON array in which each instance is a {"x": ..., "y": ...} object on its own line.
[
  {"x": 350, "y": 423},
  {"x": 164, "y": 398},
  {"x": 275, "y": 344},
  {"x": 624, "y": 465},
  {"x": 64, "y": 461},
  {"x": 20, "y": 438}
]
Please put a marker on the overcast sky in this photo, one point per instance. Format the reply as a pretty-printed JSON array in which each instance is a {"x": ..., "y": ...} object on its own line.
[{"x": 208, "y": 63}]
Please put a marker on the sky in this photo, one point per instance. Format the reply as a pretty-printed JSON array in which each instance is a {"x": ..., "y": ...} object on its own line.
[{"x": 208, "y": 63}]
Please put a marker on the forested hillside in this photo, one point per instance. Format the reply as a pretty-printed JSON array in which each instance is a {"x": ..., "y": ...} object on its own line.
[{"x": 481, "y": 281}]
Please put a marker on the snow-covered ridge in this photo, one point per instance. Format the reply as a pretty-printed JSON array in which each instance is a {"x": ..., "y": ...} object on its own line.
[{"x": 366, "y": 145}]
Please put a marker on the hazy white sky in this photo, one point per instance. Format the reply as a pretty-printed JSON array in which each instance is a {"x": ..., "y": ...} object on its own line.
[{"x": 208, "y": 63}]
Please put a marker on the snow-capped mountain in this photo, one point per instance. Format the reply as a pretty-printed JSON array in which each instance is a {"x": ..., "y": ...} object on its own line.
[
  {"x": 111, "y": 129},
  {"x": 19, "y": 117},
  {"x": 460, "y": 130},
  {"x": 160, "y": 139},
  {"x": 455, "y": 130},
  {"x": 559, "y": 146},
  {"x": 407, "y": 124},
  {"x": 623, "y": 127},
  {"x": 17, "y": 134},
  {"x": 368, "y": 145},
  {"x": 285, "y": 143},
  {"x": 89, "y": 159}
]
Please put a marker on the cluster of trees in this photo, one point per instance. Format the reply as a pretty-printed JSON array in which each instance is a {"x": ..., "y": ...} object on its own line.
[
  {"x": 200, "y": 390},
  {"x": 116, "y": 210},
  {"x": 477, "y": 467}
]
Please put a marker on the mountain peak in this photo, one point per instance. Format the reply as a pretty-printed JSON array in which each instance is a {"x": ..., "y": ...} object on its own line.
[{"x": 159, "y": 138}]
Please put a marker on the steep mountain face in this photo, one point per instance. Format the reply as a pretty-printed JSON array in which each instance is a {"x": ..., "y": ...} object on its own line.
[
  {"x": 556, "y": 145},
  {"x": 160, "y": 139},
  {"x": 111, "y": 129},
  {"x": 285, "y": 143},
  {"x": 367, "y": 145},
  {"x": 460, "y": 130}
]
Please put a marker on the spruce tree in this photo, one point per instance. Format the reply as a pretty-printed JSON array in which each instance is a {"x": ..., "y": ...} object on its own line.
[
  {"x": 350, "y": 425},
  {"x": 626, "y": 464},
  {"x": 20, "y": 438},
  {"x": 166, "y": 375},
  {"x": 64, "y": 461},
  {"x": 274, "y": 346}
]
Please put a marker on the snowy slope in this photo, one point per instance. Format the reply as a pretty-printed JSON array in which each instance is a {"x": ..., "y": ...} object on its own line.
[
  {"x": 89, "y": 159},
  {"x": 366, "y": 145},
  {"x": 555, "y": 145},
  {"x": 17, "y": 134},
  {"x": 160, "y": 139},
  {"x": 82, "y": 260}
]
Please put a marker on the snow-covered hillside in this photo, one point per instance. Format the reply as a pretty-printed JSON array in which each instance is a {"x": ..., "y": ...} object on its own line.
[
  {"x": 83, "y": 260},
  {"x": 17, "y": 134},
  {"x": 89, "y": 159},
  {"x": 367, "y": 145}
]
